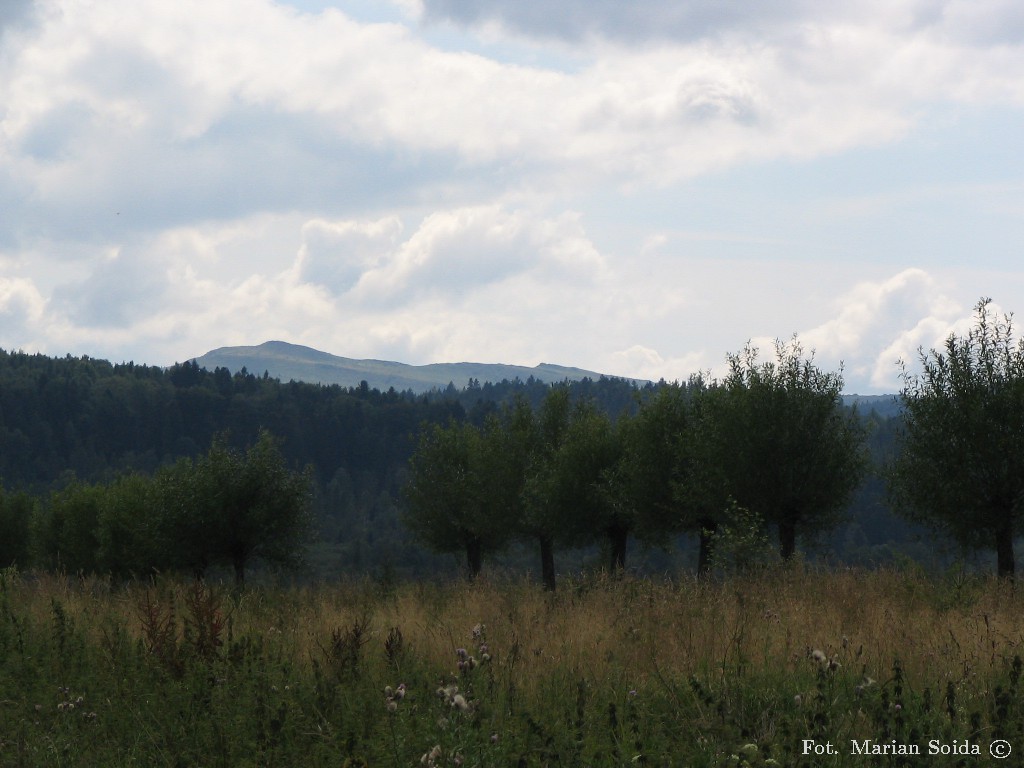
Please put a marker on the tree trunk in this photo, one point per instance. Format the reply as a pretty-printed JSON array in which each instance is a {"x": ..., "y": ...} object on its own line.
[
  {"x": 474, "y": 557},
  {"x": 787, "y": 540},
  {"x": 547, "y": 563},
  {"x": 707, "y": 532},
  {"x": 618, "y": 535},
  {"x": 1005, "y": 561}
]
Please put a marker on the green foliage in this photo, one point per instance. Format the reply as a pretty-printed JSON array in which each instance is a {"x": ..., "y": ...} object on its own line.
[
  {"x": 789, "y": 450},
  {"x": 67, "y": 528},
  {"x": 127, "y": 536},
  {"x": 569, "y": 470},
  {"x": 177, "y": 673},
  {"x": 669, "y": 474},
  {"x": 586, "y": 467},
  {"x": 240, "y": 506},
  {"x": 227, "y": 508},
  {"x": 16, "y": 511},
  {"x": 449, "y": 492},
  {"x": 961, "y": 463},
  {"x": 739, "y": 544}
]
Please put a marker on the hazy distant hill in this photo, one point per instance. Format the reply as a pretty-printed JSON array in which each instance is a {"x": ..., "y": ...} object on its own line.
[
  {"x": 884, "y": 405},
  {"x": 291, "y": 361}
]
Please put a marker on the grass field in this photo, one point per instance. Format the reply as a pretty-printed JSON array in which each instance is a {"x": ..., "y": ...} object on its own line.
[{"x": 607, "y": 672}]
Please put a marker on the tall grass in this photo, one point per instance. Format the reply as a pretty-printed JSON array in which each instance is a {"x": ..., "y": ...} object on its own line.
[{"x": 606, "y": 672}]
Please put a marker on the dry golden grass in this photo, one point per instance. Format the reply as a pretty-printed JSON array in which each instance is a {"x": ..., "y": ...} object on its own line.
[
  {"x": 681, "y": 667},
  {"x": 626, "y": 630}
]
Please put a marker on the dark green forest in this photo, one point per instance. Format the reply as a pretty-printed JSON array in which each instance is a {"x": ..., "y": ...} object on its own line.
[{"x": 77, "y": 422}]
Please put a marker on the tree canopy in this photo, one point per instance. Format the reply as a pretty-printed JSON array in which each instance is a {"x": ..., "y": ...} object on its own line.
[
  {"x": 960, "y": 466},
  {"x": 450, "y": 493},
  {"x": 790, "y": 452}
]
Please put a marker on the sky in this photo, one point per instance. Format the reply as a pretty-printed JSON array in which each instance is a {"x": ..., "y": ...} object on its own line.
[{"x": 634, "y": 188}]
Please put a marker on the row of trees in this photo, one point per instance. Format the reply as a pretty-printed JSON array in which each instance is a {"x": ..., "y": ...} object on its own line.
[
  {"x": 770, "y": 442},
  {"x": 769, "y": 445},
  {"x": 225, "y": 508},
  {"x": 773, "y": 438}
]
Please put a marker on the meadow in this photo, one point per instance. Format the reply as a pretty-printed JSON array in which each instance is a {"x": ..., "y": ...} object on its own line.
[{"x": 754, "y": 670}]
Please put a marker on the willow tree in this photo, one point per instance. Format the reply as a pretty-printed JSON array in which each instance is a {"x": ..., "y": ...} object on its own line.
[
  {"x": 450, "y": 492},
  {"x": 669, "y": 474},
  {"x": 568, "y": 460},
  {"x": 247, "y": 506},
  {"x": 580, "y": 484},
  {"x": 960, "y": 467},
  {"x": 791, "y": 452}
]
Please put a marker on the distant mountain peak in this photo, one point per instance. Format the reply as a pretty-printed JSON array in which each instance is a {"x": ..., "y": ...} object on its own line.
[{"x": 286, "y": 361}]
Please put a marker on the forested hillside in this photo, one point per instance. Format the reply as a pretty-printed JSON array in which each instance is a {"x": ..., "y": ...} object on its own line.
[
  {"x": 86, "y": 419},
  {"x": 65, "y": 419}
]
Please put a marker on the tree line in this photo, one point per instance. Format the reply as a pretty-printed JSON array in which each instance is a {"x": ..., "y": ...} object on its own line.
[
  {"x": 226, "y": 507},
  {"x": 81, "y": 439},
  {"x": 101, "y": 464},
  {"x": 769, "y": 446},
  {"x": 772, "y": 438}
]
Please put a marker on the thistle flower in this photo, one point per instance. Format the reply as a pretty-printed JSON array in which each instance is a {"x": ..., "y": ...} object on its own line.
[
  {"x": 459, "y": 702},
  {"x": 430, "y": 758},
  {"x": 392, "y": 696},
  {"x": 819, "y": 656}
]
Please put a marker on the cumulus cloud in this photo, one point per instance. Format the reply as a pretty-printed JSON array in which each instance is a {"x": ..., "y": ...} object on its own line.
[
  {"x": 336, "y": 254},
  {"x": 189, "y": 108},
  {"x": 654, "y": 20},
  {"x": 474, "y": 283},
  {"x": 21, "y": 305},
  {"x": 879, "y": 324},
  {"x": 181, "y": 175},
  {"x": 642, "y": 362},
  {"x": 449, "y": 254}
]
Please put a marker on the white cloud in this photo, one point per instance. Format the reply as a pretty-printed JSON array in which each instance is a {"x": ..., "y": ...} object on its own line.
[
  {"x": 878, "y": 324},
  {"x": 450, "y": 254},
  {"x": 181, "y": 175},
  {"x": 222, "y": 109},
  {"x": 21, "y": 303},
  {"x": 642, "y": 362},
  {"x": 336, "y": 254}
]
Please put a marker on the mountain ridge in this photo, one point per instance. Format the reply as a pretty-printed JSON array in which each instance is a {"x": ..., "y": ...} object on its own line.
[{"x": 286, "y": 361}]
